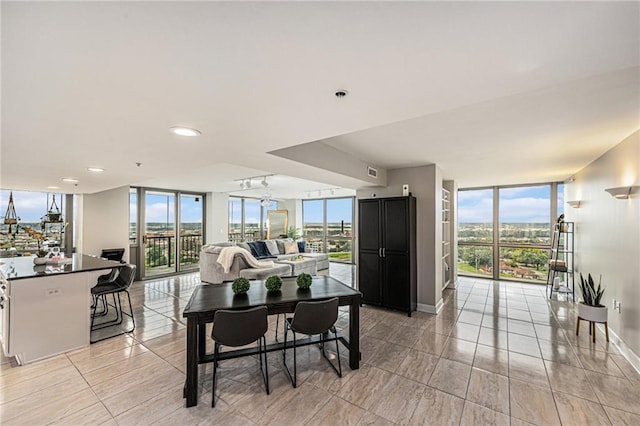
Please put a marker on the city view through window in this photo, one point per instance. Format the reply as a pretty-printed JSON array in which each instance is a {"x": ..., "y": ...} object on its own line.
[
  {"x": 523, "y": 226},
  {"x": 328, "y": 227}
]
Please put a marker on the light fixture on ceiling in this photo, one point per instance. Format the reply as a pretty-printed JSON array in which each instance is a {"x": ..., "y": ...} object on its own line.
[
  {"x": 341, "y": 93},
  {"x": 95, "y": 169},
  {"x": 53, "y": 187},
  {"x": 245, "y": 183},
  {"x": 70, "y": 180},
  {"x": 622, "y": 192},
  {"x": 266, "y": 200},
  {"x": 575, "y": 204},
  {"x": 184, "y": 131}
]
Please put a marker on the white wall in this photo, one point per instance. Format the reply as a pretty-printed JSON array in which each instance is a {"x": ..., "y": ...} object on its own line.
[
  {"x": 294, "y": 209},
  {"x": 105, "y": 221},
  {"x": 425, "y": 183},
  {"x": 608, "y": 233},
  {"x": 217, "y": 217}
]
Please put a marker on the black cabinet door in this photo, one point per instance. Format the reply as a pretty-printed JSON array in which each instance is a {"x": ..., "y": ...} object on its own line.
[
  {"x": 369, "y": 225},
  {"x": 369, "y": 277},
  {"x": 395, "y": 215},
  {"x": 396, "y": 291}
]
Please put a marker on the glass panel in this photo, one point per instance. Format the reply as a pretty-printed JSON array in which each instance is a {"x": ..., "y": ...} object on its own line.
[
  {"x": 339, "y": 229},
  {"x": 190, "y": 231},
  {"x": 524, "y": 215},
  {"x": 475, "y": 260},
  {"x": 475, "y": 215},
  {"x": 529, "y": 264},
  {"x": 159, "y": 233},
  {"x": 251, "y": 220},
  {"x": 133, "y": 216},
  {"x": 312, "y": 219},
  {"x": 235, "y": 219}
]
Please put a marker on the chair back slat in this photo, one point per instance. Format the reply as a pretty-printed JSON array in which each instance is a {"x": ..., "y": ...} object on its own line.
[
  {"x": 315, "y": 317},
  {"x": 239, "y": 328},
  {"x": 126, "y": 276}
]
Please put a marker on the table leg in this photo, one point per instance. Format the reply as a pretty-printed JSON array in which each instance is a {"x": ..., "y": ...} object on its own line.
[
  {"x": 354, "y": 334},
  {"x": 202, "y": 342},
  {"x": 191, "y": 383}
]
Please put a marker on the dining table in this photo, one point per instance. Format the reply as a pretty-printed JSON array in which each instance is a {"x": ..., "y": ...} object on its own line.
[{"x": 206, "y": 299}]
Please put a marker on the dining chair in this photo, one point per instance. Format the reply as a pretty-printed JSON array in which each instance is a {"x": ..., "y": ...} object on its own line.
[
  {"x": 240, "y": 328},
  {"x": 312, "y": 318},
  {"x": 122, "y": 282}
]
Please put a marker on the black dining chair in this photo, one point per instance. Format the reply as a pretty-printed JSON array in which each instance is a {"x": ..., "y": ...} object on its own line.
[
  {"x": 312, "y": 318},
  {"x": 100, "y": 292},
  {"x": 240, "y": 328}
]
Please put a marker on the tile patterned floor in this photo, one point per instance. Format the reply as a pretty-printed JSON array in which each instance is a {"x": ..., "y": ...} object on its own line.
[{"x": 498, "y": 353}]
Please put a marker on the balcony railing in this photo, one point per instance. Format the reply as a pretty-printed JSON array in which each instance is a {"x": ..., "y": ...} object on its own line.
[{"x": 159, "y": 250}]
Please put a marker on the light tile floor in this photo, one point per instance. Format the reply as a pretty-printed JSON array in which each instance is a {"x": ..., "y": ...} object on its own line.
[{"x": 498, "y": 353}]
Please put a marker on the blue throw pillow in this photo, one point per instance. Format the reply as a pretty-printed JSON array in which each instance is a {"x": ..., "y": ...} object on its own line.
[
  {"x": 253, "y": 246},
  {"x": 261, "y": 250},
  {"x": 301, "y": 246}
]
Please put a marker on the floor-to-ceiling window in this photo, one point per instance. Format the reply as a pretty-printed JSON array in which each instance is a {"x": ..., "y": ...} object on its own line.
[
  {"x": 504, "y": 232},
  {"x": 327, "y": 226},
  {"x": 475, "y": 232},
  {"x": 248, "y": 218}
]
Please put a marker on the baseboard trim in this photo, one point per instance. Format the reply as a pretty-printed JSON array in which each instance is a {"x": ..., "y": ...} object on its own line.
[
  {"x": 625, "y": 350},
  {"x": 430, "y": 309}
]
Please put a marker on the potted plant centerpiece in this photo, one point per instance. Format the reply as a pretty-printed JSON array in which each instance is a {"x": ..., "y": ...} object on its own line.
[{"x": 590, "y": 309}]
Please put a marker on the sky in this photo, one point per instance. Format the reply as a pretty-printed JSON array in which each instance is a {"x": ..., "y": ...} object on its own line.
[
  {"x": 525, "y": 204},
  {"x": 156, "y": 209}
]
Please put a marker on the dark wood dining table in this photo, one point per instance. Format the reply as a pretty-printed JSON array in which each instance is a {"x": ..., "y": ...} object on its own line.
[{"x": 208, "y": 298}]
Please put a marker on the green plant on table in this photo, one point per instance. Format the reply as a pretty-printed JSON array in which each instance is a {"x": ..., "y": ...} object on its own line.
[
  {"x": 591, "y": 295},
  {"x": 240, "y": 285},
  {"x": 304, "y": 280},
  {"x": 273, "y": 283}
]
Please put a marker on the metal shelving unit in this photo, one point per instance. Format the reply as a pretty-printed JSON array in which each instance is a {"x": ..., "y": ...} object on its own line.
[{"x": 561, "y": 260}]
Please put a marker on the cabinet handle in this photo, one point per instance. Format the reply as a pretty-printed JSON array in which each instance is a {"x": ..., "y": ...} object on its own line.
[
  {"x": 384, "y": 252},
  {"x": 380, "y": 252}
]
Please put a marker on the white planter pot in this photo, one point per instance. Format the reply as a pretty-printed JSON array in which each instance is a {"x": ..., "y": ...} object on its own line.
[{"x": 592, "y": 313}]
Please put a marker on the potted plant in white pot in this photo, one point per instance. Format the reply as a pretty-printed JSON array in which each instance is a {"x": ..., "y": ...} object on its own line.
[{"x": 590, "y": 309}]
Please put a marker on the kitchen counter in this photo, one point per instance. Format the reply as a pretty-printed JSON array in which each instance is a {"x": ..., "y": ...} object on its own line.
[
  {"x": 46, "y": 308},
  {"x": 15, "y": 268}
]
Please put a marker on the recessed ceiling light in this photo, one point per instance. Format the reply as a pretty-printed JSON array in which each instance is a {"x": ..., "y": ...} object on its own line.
[
  {"x": 53, "y": 187},
  {"x": 184, "y": 131},
  {"x": 341, "y": 93},
  {"x": 70, "y": 180},
  {"x": 95, "y": 169}
]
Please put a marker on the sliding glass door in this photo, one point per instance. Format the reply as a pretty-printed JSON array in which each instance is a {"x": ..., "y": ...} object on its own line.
[{"x": 166, "y": 230}]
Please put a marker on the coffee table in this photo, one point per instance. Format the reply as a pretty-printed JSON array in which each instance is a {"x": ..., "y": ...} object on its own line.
[{"x": 306, "y": 265}]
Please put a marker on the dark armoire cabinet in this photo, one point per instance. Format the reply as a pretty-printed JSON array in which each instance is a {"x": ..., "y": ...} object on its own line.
[{"x": 387, "y": 252}]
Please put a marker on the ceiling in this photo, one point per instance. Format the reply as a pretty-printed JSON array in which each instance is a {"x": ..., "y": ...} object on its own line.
[{"x": 493, "y": 93}]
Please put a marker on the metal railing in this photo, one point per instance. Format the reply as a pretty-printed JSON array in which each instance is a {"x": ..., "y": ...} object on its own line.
[{"x": 159, "y": 250}]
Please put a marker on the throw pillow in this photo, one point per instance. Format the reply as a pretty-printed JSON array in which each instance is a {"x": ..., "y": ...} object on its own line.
[
  {"x": 272, "y": 246},
  {"x": 290, "y": 247},
  {"x": 280, "y": 243},
  {"x": 261, "y": 249},
  {"x": 245, "y": 246},
  {"x": 301, "y": 246},
  {"x": 253, "y": 245}
]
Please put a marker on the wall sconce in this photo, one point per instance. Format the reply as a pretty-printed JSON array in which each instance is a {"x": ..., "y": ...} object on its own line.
[
  {"x": 622, "y": 192},
  {"x": 575, "y": 204}
]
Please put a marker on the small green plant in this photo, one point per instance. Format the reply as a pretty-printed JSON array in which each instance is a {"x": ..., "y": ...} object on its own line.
[
  {"x": 590, "y": 294},
  {"x": 304, "y": 280},
  {"x": 273, "y": 283},
  {"x": 294, "y": 233},
  {"x": 240, "y": 285}
]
